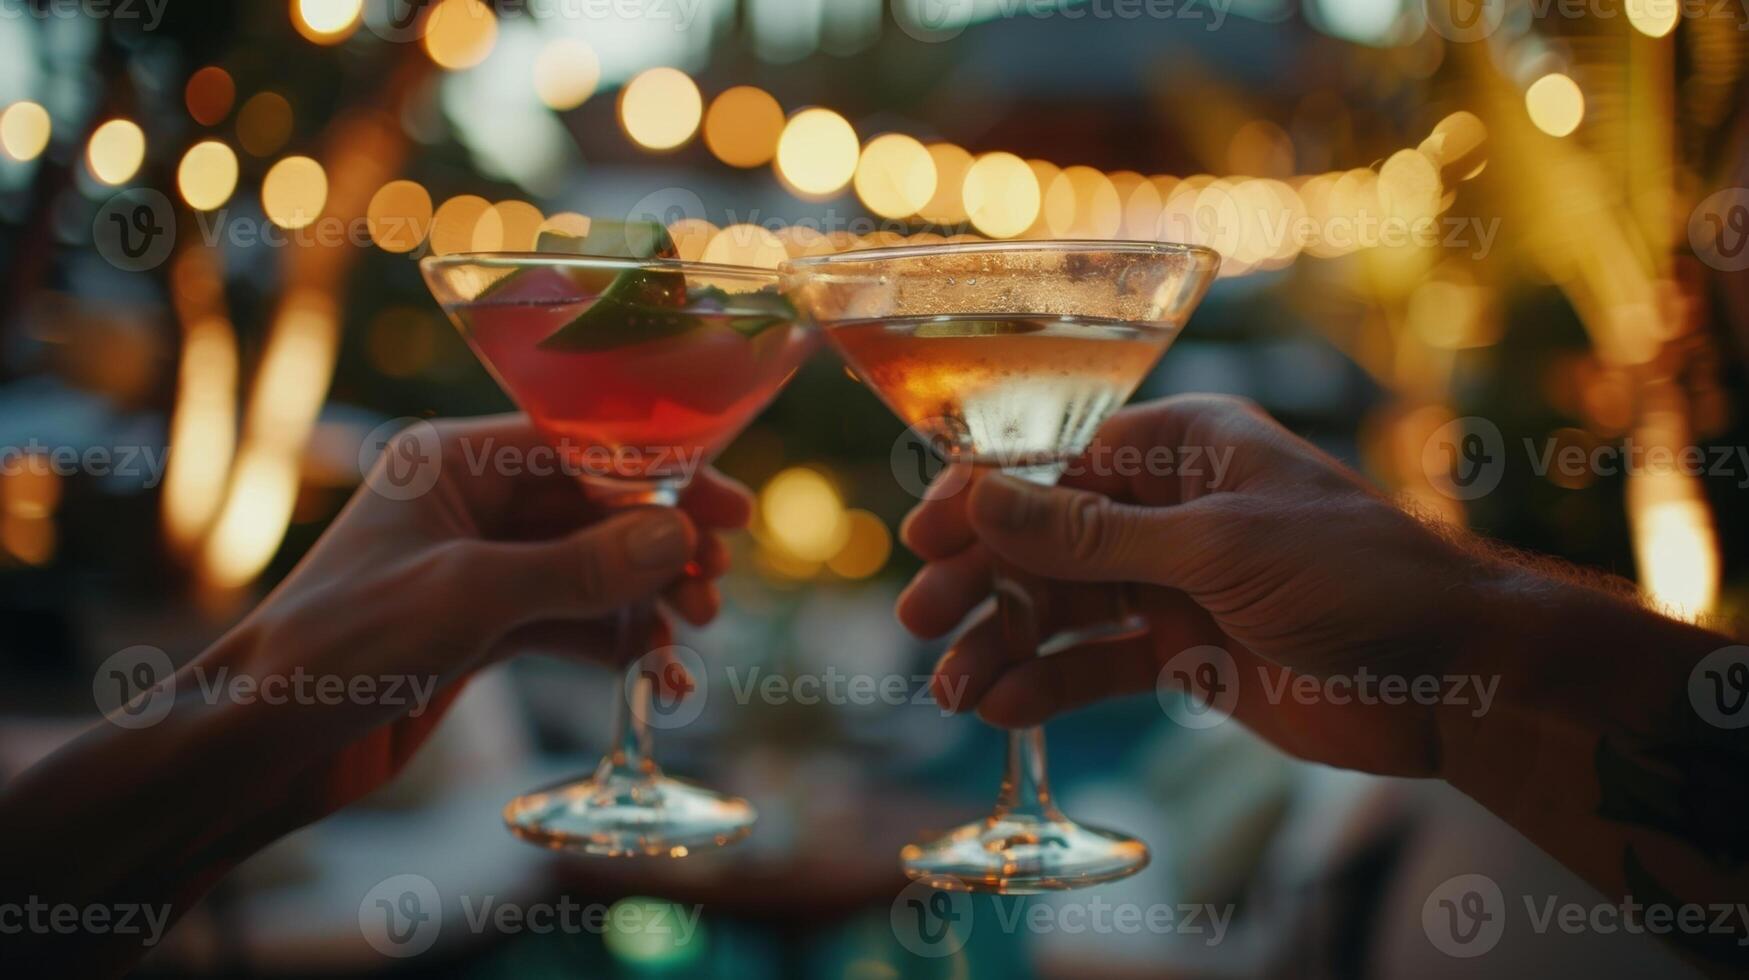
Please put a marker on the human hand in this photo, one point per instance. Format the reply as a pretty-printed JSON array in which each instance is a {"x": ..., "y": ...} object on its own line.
[
  {"x": 1291, "y": 564},
  {"x": 432, "y": 588}
]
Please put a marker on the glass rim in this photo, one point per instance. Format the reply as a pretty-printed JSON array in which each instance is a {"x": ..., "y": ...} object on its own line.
[
  {"x": 622, "y": 263},
  {"x": 1009, "y": 245}
]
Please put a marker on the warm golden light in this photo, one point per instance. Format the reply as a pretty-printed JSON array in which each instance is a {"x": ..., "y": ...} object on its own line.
[
  {"x": 264, "y": 124},
  {"x": 566, "y": 73},
  {"x": 896, "y": 176},
  {"x": 508, "y": 226},
  {"x": 691, "y": 236},
  {"x": 817, "y": 153},
  {"x": 294, "y": 192},
  {"x": 802, "y": 512},
  {"x": 460, "y": 33},
  {"x": 867, "y": 546},
  {"x": 1654, "y": 18},
  {"x": 1098, "y": 209},
  {"x": 399, "y": 216},
  {"x": 115, "y": 153},
  {"x": 1409, "y": 189},
  {"x": 1555, "y": 104},
  {"x": 210, "y": 93},
  {"x": 946, "y": 206},
  {"x": 291, "y": 385},
  {"x": 660, "y": 108},
  {"x": 207, "y": 175},
  {"x": 746, "y": 245},
  {"x": 24, "y": 130},
  {"x": 1056, "y": 208},
  {"x": 203, "y": 423},
  {"x": 452, "y": 227},
  {"x": 1001, "y": 195},
  {"x": 743, "y": 126},
  {"x": 326, "y": 21},
  {"x": 570, "y": 224}
]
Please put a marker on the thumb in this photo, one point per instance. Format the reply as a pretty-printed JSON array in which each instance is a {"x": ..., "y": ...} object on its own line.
[
  {"x": 1075, "y": 535},
  {"x": 625, "y": 558}
]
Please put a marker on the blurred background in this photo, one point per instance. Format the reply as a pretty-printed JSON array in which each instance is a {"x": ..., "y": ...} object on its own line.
[{"x": 1505, "y": 224}]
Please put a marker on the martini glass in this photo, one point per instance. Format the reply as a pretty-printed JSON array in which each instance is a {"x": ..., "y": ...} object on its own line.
[
  {"x": 1009, "y": 356},
  {"x": 637, "y": 372}
]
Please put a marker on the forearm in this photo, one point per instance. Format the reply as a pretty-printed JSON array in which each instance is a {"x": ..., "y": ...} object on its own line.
[
  {"x": 131, "y": 824},
  {"x": 1596, "y": 751}
]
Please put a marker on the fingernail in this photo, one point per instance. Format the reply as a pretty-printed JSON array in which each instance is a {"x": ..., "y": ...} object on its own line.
[
  {"x": 1008, "y": 501},
  {"x": 658, "y": 541}
]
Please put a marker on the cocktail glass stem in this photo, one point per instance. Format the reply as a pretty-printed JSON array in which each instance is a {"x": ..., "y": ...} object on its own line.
[
  {"x": 629, "y": 754},
  {"x": 628, "y": 806},
  {"x": 1026, "y": 844}
]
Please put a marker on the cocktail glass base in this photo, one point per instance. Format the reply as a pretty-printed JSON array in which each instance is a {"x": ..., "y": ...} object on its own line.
[
  {"x": 621, "y": 814},
  {"x": 1024, "y": 855}
]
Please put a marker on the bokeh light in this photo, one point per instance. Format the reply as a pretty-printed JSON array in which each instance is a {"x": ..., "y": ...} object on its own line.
[
  {"x": 24, "y": 130},
  {"x": 460, "y": 33},
  {"x": 209, "y": 95},
  {"x": 566, "y": 73},
  {"x": 452, "y": 227},
  {"x": 946, "y": 206},
  {"x": 743, "y": 126},
  {"x": 207, "y": 176},
  {"x": 817, "y": 153},
  {"x": 294, "y": 192},
  {"x": 660, "y": 108},
  {"x": 691, "y": 236},
  {"x": 802, "y": 512},
  {"x": 399, "y": 216},
  {"x": 508, "y": 226},
  {"x": 1001, "y": 195},
  {"x": 1098, "y": 209},
  {"x": 1555, "y": 104},
  {"x": 746, "y": 244},
  {"x": 264, "y": 124},
  {"x": 1654, "y": 18},
  {"x": 115, "y": 153},
  {"x": 326, "y": 21},
  {"x": 895, "y": 177},
  {"x": 867, "y": 546}
]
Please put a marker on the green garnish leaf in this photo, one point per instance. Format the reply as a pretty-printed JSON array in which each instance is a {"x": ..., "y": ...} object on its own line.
[
  {"x": 643, "y": 305},
  {"x": 613, "y": 239}
]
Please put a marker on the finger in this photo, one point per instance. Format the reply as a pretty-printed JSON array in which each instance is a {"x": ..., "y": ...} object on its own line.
[
  {"x": 1037, "y": 689},
  {"x": 628, "y": 557},
  {"x": 711, "y": 558},
  {"x": 693, "y": 600},
  {"x": 974, "y": 663},
  {"x": 718, "y": 502},
  {"x": 1078, "y": 535},
  {"x": 943, "y": 593},
  {"x": 937, "y": 528}
]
